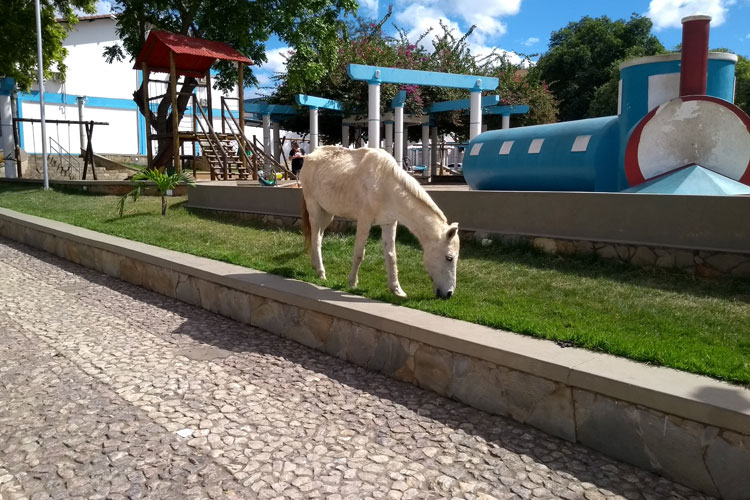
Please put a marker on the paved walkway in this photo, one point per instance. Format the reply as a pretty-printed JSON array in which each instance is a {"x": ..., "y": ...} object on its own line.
[{"x": 111, "y": 391}]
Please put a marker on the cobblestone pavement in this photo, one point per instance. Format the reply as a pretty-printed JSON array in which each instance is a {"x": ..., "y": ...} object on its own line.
[{"x": 111, "y": 391}]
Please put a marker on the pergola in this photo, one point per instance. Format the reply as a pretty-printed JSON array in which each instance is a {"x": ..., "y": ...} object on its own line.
[{"x": 180, "y": 55}]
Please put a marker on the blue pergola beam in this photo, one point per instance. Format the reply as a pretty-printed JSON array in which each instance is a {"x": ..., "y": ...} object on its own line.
[
  {"x": 520, "y": 109},
  {"x": 318, "y": 102},
  {"x": 399, "y": 100},
  {"x": 263, "y": 108},
  {"x": 375, "y": 74},
  {"x": 440, "y": 107}
]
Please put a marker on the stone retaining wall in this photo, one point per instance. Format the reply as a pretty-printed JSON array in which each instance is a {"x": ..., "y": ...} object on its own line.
[{"x": 692, "y": 429}]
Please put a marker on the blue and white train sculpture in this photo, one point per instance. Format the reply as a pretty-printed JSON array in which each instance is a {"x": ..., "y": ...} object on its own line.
[{"x": 676, "y": 118}]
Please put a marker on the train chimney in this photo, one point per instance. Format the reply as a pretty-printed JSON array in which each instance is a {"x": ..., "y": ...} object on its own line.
[{"x": 694, "y": 64}]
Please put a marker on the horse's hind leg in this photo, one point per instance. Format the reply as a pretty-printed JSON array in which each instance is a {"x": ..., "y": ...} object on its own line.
[
  {"x": 360, "y": 241},
  {"x": 319, "y": 221},
  {"x": 389, "y": 250}
]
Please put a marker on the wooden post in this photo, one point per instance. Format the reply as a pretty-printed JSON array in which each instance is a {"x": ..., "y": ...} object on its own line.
[
  {"x": 146, "y": 108},
  {"x": 175, "y": 114},
  {"x": 208, "y": 100},
  {"x": 16, "y": 134},
  {"x": 241, "y": 95}
]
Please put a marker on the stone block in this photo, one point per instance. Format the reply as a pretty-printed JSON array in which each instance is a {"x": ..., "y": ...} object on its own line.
[
  {"x": 583, "y": 247},
  {"x": 546, "y": 245},
  {"x": 187, "y": 290},
  {"x": 684, "y": 259},
  {"x": 566, "y": 247},
  {"x": 666, "y": 260},
  {"x": 742, "y": 271},
  {"x": 390, "y": 354},
  {"x": 235, "y": 304},
  {"x": 676, "y": 448},
  {"x": 542, "y": 403},
  {"x": 478, "y": 384},
  {"x": 49, "y": 243},
  {"x": 361, "y": 346},
  {"x": 210, "y": 294},
  {"x": 433, "y": 368},
  {"x": 728, "y": 461},
  {"x": 338, "y": 337},
  {"x": 607, "y": 252},
  {"x": 610, "y": 426},
  {"x": 309, "y": 328},
  {"x": 624, "y": 252},
  {"x": 160, "y": 280},
  {"x": 725, "y": 262},
  {"x": 130, "y": 271},
  {"x": 268, "y": 315},
  {"x": 643, "y": 257}
]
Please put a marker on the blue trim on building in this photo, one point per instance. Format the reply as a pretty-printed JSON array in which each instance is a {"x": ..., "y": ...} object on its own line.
[
  {"x": 142, "y": 130},
  {"x": 319, "y": 102},
  {"x": 439, "y": 107},
  {"x": 7, "y": 85}
]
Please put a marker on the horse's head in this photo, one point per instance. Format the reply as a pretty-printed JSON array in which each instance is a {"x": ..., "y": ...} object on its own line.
[{"x": 440, "y": 260}]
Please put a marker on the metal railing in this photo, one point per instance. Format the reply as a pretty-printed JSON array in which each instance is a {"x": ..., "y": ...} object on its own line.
[{"x": 55, "y": 148}]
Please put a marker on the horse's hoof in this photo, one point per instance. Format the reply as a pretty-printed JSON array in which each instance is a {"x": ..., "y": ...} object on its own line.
[
  {"x": 353, "y": 283},
  {"x": 322, "y": 275},
  {"x": 399, "y": 293}
]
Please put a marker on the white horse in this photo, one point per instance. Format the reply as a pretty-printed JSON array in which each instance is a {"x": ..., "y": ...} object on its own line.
[{"x": 367, "y": 185}]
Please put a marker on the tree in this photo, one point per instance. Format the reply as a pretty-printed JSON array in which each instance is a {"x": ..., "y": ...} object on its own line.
[
  {"x": 244, "y": 25},
  {"x": 582, "y": 56},
  {"x": 363, "y": 41},
  {"x": 742, "y": 84},
  {"x": 18, "y": 58}
]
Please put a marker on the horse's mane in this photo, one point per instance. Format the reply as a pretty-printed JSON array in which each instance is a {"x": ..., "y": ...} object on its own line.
[{"x": 411, "y": 185}]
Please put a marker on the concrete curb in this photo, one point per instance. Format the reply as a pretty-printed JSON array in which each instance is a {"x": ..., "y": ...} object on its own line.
[{"x": 608, "y": 403}]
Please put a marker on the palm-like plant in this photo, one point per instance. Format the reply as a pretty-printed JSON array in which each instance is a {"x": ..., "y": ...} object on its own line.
[{"x": 163, "y": 182}]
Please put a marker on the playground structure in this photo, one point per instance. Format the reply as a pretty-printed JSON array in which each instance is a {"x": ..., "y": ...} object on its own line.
[
  {"x": 676, "y": 131},
  {"x": 229, "y": 153}
]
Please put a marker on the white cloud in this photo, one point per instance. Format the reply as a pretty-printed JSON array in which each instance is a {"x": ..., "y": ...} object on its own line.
[
  {"x": 103, "y": 7},
  {"x": 669, "y": 13},
  {"x": 276, "y": 60},
  {"x": 531, "y": 41},
  {"x": 419, "y": 18},
  {"x": 368, "y": 8},
  {"x": 419, "y": 15},
  {"x": 747, "y": 36}
]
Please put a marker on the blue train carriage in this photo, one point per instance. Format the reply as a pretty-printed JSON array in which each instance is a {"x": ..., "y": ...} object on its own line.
[{"x": 674, "y": 111}]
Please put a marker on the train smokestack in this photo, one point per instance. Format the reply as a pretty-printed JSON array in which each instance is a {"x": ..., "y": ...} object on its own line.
[{"x": 694, "y": 64}]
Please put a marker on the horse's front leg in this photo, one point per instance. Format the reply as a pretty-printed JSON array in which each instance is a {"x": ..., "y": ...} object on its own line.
[
  {"x": 389, "y": 250},
  {"x": 319, "y": 221},
  {"x": 360, "y": 241}
]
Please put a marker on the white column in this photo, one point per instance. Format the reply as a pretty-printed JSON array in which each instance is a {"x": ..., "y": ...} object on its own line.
[
  {"x": 389, "y": 137},
  {"x": 267, "y": 144},
  {"x": 475, "y": 117},
  {"x": 276, "y": 144},
  {"x": 506, "y": 121},
  {"x": 373, "y": 115},
  {"x": 398, "y": 152},
  {"x": 433, "y": 150},
  {"x": 426, "y": 144},
  {"x": 313, "y": 129},
  {"x": 81, "y": 101},
  {"x": 9, "y": 146},
  {"x": 345, "y": 135}
]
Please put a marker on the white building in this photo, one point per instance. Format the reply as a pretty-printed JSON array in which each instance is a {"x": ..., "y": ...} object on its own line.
[{"x": 107, "y": 94}]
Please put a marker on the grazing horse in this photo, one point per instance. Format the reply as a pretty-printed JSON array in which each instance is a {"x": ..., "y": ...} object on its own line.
[{"x": 368, "y": 186}]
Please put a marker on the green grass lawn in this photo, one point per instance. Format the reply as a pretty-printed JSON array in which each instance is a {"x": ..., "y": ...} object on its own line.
[{"x": 659, "y": 317}]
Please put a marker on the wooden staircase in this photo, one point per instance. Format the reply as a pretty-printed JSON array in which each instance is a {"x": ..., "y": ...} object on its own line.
[{"x": 223, "y": 156}]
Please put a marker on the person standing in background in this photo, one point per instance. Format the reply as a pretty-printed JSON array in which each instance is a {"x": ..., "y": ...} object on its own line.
[{"x": 297, "y": 155}]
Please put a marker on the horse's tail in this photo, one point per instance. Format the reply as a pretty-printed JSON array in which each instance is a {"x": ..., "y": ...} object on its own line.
[{"x": 306, "y": 230}]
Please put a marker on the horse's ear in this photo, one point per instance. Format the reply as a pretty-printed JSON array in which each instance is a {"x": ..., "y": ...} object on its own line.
[{"x": 452, "y": 231}]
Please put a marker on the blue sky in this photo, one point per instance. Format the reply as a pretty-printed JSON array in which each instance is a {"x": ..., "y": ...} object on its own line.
[{"x": 524, "y": 26}]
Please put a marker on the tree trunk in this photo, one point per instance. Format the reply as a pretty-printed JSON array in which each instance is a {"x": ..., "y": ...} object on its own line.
[
  {"x": 161, "y": 121},
  {"x": 164, "y": 205}
]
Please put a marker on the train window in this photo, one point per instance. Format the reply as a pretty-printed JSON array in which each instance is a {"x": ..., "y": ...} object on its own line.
[
  {"x": 536, "y": 146},
  {"x": 581, "y": 144},
  {"x": 506, "y": 147},
  {"x": 475, "y": 149}
]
